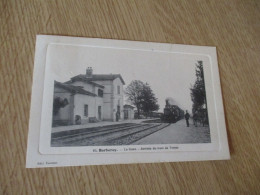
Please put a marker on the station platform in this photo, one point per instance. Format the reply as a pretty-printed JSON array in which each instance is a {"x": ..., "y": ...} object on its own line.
[{"x": 98, "y": 124}]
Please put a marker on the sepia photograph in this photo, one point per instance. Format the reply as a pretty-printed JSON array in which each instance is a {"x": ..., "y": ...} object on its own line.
[{"x": 112, "y": 97}]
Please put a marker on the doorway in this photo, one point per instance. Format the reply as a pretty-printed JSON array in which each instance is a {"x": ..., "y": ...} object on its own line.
[
  {"x": 118, "y": 111},
  {"x": 99, "y": 113}
]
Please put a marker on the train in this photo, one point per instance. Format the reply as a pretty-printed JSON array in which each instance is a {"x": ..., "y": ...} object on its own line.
[{"x": 172, "y": 112}]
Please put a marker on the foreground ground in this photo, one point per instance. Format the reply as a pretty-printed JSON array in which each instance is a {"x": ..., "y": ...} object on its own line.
[
  {"x": 133, "y": 133},
  {"x": 115, "y": 134},
  {"x": 178, "y": 133}
]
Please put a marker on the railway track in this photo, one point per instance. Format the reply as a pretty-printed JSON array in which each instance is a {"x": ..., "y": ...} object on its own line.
[
  {"x": 91, "y": 131},
  {"x": 75, "y": 136},
  {"x": 63, "y": 134},
  {"x": 108, "y": 135},
  {"x": 130, "y": 138}
]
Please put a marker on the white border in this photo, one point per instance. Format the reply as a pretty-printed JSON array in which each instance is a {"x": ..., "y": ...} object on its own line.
[
  {"x": 36, "y": 159},
  {"x": 47, "y": 105}
]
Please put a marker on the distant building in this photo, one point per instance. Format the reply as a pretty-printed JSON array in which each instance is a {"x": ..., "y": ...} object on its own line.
[
  {"x": 128, "y": 112},
  {"x": 88, "y": 98},
  {"x": 156, "y": 114}
]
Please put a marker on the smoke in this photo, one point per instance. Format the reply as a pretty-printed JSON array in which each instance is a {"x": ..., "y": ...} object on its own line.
[{"x": 171, "y": 101}]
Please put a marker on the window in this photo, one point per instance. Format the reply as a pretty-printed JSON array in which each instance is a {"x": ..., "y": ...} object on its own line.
[
  {"x": 85, "y": 110},
  {"x": 118, "y": 89},
  {"x": 100, "y": 93}
]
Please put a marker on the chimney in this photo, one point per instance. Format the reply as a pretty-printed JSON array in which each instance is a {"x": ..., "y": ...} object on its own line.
[{"x": 89, "y": 72}]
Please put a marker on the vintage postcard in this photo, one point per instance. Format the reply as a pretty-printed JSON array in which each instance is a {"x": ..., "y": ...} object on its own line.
[{"x": 99, "y": 101}]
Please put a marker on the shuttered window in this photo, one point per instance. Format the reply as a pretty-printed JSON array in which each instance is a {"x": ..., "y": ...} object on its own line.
[
  {"x": 100, "y": 93},
  {"x": 85, "y": 110},
  {"x": 118, "y": 89}
]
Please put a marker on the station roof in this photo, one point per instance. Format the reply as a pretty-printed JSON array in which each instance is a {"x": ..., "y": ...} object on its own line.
[
  {"x": 84, "y": 79},
  {"x": 128, "y": 106},
  {"x": 97, "y": 77},
  {"x": 73, "y": 89}
]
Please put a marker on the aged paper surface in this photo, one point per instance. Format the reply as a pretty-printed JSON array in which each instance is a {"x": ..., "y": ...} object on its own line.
[{"x": 98, "y": 101}]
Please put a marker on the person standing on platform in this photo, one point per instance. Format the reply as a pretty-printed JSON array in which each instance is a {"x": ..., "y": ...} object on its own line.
[
  {"x": 195, "y": 119},
  {"x": 187, "y": 116}
]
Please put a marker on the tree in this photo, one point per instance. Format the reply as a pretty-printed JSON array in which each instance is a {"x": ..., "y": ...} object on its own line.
[
  {"x": 59, "y": 103},
  {"x": 198, "y": 93},
  {"x": 149, "y": 103},
  {"x": 142, "y": 96}
]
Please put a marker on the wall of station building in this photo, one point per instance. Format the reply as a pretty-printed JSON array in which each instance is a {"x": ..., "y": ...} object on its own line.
[
  {"x": 107, "y": 100},
  {"x": 108, "y": 103},
  {"x": 111, "y": 99},
  {"x": 92, "y": 102},
  {"x": 118, "y": 98}
]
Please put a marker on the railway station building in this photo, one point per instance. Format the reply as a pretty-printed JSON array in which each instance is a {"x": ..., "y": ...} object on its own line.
[
  {"x": 128, "y": 112},
  {"x": 87, "y": 98}
]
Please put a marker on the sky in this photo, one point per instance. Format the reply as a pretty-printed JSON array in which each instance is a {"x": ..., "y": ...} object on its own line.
[{"x": 168, "y": 74}]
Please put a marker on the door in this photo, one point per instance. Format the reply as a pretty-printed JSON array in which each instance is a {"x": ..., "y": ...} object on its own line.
[
  {"x": 99, "y": 113},
  {"x": 118, "y": 111},
  {"x": 126, "y": 114}
]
